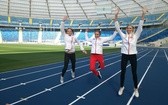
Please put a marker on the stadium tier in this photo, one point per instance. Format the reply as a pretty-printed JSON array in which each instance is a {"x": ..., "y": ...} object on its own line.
[
  {"x": 103, "y": 23},
  {"x": 32, "y": 35},
  {"x": 40, "y": 30},
  {"x": 161, "y": 35}
]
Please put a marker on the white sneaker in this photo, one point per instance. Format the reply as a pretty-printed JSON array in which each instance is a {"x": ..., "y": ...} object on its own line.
[
  {"x": 136, "y": 93},
  {"x": 120, "y": 92},
  {"x": 62, "y": 80},
  {"x": 73, "y": 74}
]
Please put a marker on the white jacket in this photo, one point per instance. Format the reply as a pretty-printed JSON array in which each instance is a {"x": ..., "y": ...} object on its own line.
[
  {"x": 129, "y": 43},
  {"x": 69, "y": 40},
  {"x": 97, "y": 43}
]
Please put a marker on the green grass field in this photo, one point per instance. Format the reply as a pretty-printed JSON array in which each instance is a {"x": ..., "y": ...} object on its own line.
[{"x": 16, "y": 56}]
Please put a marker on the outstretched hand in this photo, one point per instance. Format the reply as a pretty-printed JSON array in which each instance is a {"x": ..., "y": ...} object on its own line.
[
  {"x": 65, "y": 18},
  {"x": 116, "y": 14},
  {"x": 144, "y": 10},
  {"x": 117, "y": 11}
]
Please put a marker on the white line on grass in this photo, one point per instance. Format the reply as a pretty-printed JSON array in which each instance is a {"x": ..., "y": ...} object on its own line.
[
  {"x": 78, "y": 98},
  {"x": 131, "y": 98},
  {"x": 16, "y": 76}
]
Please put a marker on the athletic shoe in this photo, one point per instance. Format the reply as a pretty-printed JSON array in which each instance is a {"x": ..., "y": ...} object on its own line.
[
  {"x": 120, "y": 92},
  {"x": 99, "y": 75},
  {"x": 73, "y": 74},
  {"x": 62, "y": 80},
  {"x": 136, "y": 92}
]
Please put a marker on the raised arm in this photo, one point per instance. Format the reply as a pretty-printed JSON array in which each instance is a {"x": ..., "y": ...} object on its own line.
[
  {"x": 111, "y": 37},
  {"x": 139, "y": 29},
  {"x": 144, "y": 11},
  {"x": 117, "y": 25},
  {"x": 86, "y": 36},
  {"x": 116, "y": 15},
  {"x": 62, "y": 25}
]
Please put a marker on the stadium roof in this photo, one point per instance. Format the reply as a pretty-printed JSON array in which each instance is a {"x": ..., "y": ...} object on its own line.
[{"x": 79, "y": 9}]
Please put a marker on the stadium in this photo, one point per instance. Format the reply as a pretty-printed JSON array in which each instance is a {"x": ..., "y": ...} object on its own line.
[{"x": 32, "y": 52}]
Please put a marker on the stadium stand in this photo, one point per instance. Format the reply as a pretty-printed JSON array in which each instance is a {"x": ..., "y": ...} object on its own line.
[{"x": 50, "y": 28}]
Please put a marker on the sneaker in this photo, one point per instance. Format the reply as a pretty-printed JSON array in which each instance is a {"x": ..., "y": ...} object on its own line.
[
  {"x": 99, "y": 76},
  {"x": 62, "y": 80},
  {"x": 120, "y": 92},
  {"x": 73, "y": 74},
  {"x": 136, "y": 93}
]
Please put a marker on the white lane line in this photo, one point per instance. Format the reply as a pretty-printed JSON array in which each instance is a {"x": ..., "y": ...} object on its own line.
[
  {"x": 61, "y": 84},
  {"x": 35, "y": 80},
  {"x": 80, "y": 97},
  {"x": 166, "y": 55},
  {"x": 131, "y": 98},
  {"x": 7, "y": 78},
  {"x": 18, "y": 70},
  {"x": 56, "y": 86},
  {"x": 103, "y": 82},
  {"x": 3, "y": 78}
]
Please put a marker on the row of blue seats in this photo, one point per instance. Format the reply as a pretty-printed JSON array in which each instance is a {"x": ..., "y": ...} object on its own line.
[
  {"x": 126, "y": 20},
  {"x": 31, "y": 35},
  {"x": 9, "y": 35},
  {"x": 161, "y": 35},
  {"x": 149, "y": 31}
]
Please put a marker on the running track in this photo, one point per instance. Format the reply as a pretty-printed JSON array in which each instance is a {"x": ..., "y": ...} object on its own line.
[{"x": 40, "y": 85}]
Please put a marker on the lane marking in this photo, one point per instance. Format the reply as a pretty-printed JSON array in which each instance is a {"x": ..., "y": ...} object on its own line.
[
  {"x": 103, "y": 82},
  {"x": 166, "y": 55},
  {"x": 80, "y": 97},
  {"x": 28, "y": 82},
  {"x": 56, "y": 86},
  {"x": 131, "y": 98},
  {"x": 16, "y": 76},
  {"x": 66, "y": 82},
  {"x": 35, "y": 80},
  {"x": 22, "y": 69}
]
